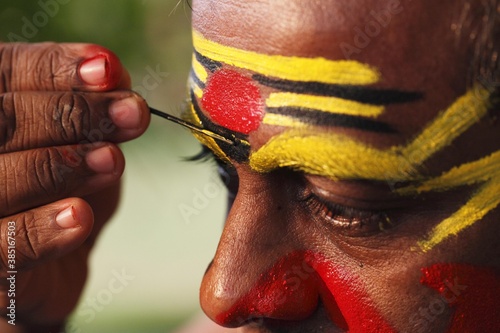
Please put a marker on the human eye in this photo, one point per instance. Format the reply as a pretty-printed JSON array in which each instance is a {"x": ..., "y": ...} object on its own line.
[{"x": 347, "y": 217}]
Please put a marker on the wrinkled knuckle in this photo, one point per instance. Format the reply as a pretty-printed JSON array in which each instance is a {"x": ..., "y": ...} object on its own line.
[
  {"x": 48, "y": 172},
  {"x": 72, "y": 113},
  {"x": 28, "y": 239},
  {"x": 53, "y": 66},
  {"x": 7, "y": 51},
  {"x": 7, "y": 119},
  {"x": 19, "y": 241}
]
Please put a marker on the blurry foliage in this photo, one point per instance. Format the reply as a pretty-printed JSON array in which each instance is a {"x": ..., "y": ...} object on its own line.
[
  {"x": 116, "y": 24},
  {"x": 130, "y": 28},
  {"x": 146, "y": 35}
]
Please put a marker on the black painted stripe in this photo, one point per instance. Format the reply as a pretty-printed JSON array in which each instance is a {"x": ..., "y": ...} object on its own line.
[
  {"x": 196, "y": 79},
  {"x": 208, "y": 63},
  {"x": 321, "y": 118},
  {"x": 238, "y": 153},
  {"x": 354, "y": 93}
]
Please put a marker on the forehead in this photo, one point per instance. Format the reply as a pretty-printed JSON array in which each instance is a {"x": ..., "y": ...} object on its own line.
[{"x": 413, "y": 48}]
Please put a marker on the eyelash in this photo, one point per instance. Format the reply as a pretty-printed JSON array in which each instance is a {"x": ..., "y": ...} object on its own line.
[
  {"x": 205, "y": 155},
  {"x": 353, "y": 221},
  {"x": 227, "y": 173},
  {"x": 350, "y": 220}
]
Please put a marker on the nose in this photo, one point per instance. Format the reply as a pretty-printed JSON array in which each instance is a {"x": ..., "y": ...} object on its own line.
[{"x": 259, "y": 270}]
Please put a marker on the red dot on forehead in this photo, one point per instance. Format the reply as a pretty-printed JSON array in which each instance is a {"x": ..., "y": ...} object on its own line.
[{"x": 233, "y": 101}]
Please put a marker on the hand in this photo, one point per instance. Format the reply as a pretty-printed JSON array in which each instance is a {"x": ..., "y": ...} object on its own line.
[{"x": 63, "y": 107}]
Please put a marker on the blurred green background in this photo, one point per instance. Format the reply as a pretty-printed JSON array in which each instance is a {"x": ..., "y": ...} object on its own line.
[{"x": 159, "y": 253}]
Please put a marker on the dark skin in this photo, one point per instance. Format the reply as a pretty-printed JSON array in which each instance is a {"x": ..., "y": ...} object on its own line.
[
  {"x": 54, "y": 115},
  {"x": 267, "y": 222},
  {"x": 416, "y": 52}
]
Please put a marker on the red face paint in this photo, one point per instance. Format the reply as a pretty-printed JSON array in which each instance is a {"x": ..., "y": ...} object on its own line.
[
  {"x": 290, "y": 290},
  {"x": 471, "y": 291},
  {"x": 233, "y": 101},
  {"x": 114, "y": 68}
]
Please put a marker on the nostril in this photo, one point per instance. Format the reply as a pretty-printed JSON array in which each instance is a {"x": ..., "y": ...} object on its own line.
[{"x": 287, "y": 291}]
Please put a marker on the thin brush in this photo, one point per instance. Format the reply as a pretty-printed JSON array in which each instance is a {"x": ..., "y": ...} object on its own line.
[{"x": 192, "y": 126}]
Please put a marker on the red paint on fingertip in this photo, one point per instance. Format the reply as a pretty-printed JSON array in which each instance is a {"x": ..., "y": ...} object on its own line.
[
  {"x": 472, "y": 293},
  {"x": 113, "y": 67},
  {"x": 233, "y": 101},
  {"x": 292, "y": 288}
]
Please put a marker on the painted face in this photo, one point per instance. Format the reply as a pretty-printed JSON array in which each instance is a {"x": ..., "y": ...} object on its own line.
[{"x": 368, "y": 166}]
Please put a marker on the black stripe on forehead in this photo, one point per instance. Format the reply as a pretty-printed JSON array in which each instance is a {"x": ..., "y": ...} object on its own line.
[
  {"x": 196, "y": 79},
  {"x": 353, "y": 93},
  {"x": 322, "y": 118},
  {"x": 208, "y": 63},
  {"x": 240, "y": 151}
]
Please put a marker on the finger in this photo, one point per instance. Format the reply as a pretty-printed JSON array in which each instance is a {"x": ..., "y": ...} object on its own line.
[
  {"x": 48, "y": 232},
  {"x": 52, "y": 66},
  {"x": 41, "y": 119},
  {"x": 40, "y": 176}
]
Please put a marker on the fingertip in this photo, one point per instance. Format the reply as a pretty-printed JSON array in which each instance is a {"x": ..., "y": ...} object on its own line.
[
  {"x": 108, "y": 163},
  {"x": 131, "y": 115},
  {"x": 74, "y": 213},
  {"x": 101, "y": 70}
]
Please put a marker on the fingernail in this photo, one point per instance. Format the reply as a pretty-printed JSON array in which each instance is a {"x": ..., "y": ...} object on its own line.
[
  {"x": 66, "y": 218},
  {"x": 93, "y": 71},
  {"x": 126, "y": 113},
  {"x": 101, "y": 160}
]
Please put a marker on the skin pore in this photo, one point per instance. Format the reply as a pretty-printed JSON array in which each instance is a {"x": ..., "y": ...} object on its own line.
[{"x": 368, "y": 186}]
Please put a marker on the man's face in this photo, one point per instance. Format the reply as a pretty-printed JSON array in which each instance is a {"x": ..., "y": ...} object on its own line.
[{"x": 368, "y": 165}]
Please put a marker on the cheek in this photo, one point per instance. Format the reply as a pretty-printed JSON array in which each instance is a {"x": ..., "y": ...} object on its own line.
[
  {"x": 472, "y": 293},
  {"x": 233, "y": 101}
]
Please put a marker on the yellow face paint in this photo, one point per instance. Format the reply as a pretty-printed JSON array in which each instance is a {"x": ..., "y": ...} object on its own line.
[
  {"x": 283, "y": 120},
  {"x": 323, "y": 103},
  {"x": 288, "y": 68},
  {"x": 199, "y": 70},
  {"x": 340, "y": 157},
  {"x": 485, "y": 199},
  {"x": 191, "y": 116}
]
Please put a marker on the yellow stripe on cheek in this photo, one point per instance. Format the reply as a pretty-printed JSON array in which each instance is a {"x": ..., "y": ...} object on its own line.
[
  {"x": 323, "y": 103},
  {"x": 289, "y": 68},
  {"x": 466, "y": 174},
  {"x": 482, "y": 202}
]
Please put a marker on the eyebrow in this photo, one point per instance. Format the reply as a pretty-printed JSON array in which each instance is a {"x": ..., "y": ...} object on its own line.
[{"x": 338, "y": 156}]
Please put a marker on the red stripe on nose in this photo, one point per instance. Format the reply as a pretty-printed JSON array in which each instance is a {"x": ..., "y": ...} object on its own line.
[{"x": 291, "y": 289}]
